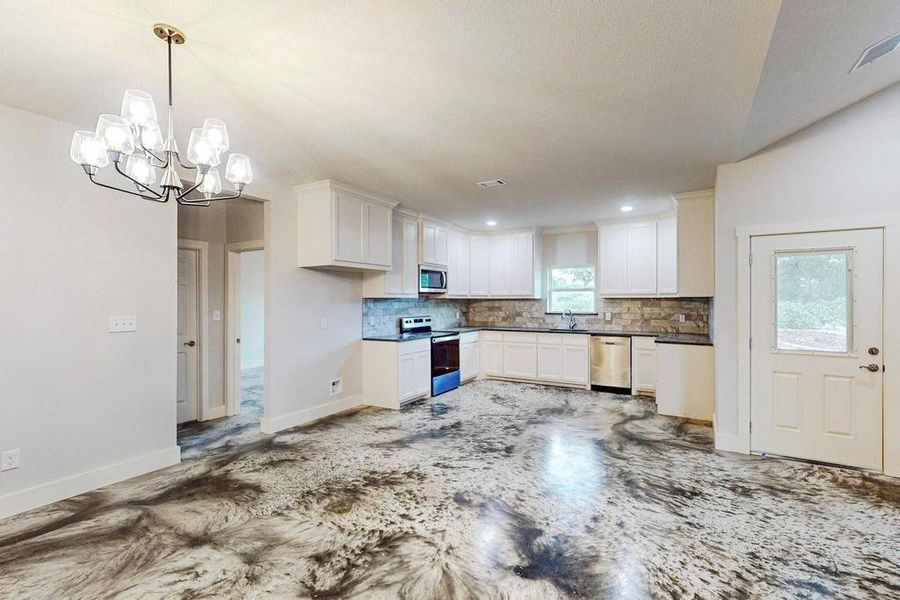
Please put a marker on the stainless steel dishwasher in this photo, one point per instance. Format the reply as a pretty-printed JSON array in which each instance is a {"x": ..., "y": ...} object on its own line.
[{"x": 611, "y": 361}]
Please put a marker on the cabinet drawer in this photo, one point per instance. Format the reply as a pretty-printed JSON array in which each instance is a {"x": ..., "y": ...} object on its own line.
[
  {"x": 576, "y": 339},
  {"x": 550, "y": 339},
  {"x": 468, "y": 337},
  {"x": 423, "y": 345},
  {"x": 644, "y": 342},
  {"x": 520, "y": 337},
  {"x": 492, "y": 336}
]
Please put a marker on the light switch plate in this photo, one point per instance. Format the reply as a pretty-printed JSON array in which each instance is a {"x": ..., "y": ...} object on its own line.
[
  {"x": 217, "y": 315},
  {"x": 323, "y": 323},
  {"x": 608, "y": 316},
  {"x": 337, "y": 386},
  {"x": 9, "y": 459},
  {"x": 122, "y": 324}
]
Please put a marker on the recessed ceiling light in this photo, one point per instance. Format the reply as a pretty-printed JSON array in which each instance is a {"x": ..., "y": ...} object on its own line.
[
  {"x": 491, "y": 223},
  {"x": 627, "y": 208}
]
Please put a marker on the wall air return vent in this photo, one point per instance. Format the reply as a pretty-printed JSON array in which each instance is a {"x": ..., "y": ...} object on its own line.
[
  {"x": 491, "y": 183},
  {"x": 876, "y": 51}
]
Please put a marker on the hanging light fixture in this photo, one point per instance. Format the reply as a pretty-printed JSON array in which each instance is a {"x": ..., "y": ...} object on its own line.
[{"x": 133, "y": 143}]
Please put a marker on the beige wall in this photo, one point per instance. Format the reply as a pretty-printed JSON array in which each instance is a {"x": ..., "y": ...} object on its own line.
[
  {"x": 84, "y": 406},
  {"x": 232, "y": 221}
]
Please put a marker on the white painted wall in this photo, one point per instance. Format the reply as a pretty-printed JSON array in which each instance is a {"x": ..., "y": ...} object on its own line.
[
  {"x": 845, "y": 169},
  {"x": 252, "y": 308},
  {"x": 301, "y": 357},
  {"x": 84, "y": 406}
]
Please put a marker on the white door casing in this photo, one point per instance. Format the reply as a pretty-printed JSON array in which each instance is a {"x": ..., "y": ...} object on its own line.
[
  {"x": 188, "y": 337},
  {"x": 811, "y": 396}
]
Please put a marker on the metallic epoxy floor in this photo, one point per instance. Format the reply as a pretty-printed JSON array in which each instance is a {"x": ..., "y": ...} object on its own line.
[{"x": 496, "y": 490}]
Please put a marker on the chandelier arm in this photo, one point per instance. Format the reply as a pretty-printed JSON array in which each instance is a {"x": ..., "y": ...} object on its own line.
[
  {"x": 164, "y": 163},
  {"x": 202, "y": 204},
  {"x": 231, "y": 197},
  {"x": 157, "y": 198},
  {"x": 136, "y": 182},
  {"x": 192, "y": 168},
  {"x": 183, "y": 195}
]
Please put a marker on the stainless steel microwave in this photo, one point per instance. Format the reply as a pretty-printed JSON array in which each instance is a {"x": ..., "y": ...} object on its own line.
[{"x": 432, "y": 281}]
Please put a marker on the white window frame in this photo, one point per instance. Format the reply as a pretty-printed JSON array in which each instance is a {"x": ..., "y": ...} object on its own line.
[{"x": 548, "y": 309}]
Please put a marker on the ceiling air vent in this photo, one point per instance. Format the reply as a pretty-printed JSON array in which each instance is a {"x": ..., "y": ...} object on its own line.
[
  {"x": 876, "y": 51},
  {"x": 491, "y": 183}
]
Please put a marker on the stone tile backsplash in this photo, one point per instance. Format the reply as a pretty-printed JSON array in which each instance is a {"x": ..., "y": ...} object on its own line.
[
  {"x": 657, "y": 315},
  {"x": 382, "y": 316}
]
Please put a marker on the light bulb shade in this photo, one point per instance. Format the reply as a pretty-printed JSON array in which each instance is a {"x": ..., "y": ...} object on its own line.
[
  {"x": 151, "y": 137},
  {"x": 216, "y": 134},
  {"x": 138, "y": 108},
  {"x": 88, "y": 149},
  {"x": 238, "y": 169},
  {"x": 199, "y": 151},
  {"x": 140, "y": 169},
  {"x": 116, "y": 131},
  {"x": 211, "y": 184}
]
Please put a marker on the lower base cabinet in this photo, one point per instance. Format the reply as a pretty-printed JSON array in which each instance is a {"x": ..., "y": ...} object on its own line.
[
  {"x": 557, "y": 358},
  {"x": 396, "y": 372},
  {"x": 643, "y": 365},
  {"x": 686, "y": 381},
  {"x": 469, "y": 355}
]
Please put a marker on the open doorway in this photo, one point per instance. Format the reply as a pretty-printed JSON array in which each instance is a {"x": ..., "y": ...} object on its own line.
[{"x": 225, "y": 322}]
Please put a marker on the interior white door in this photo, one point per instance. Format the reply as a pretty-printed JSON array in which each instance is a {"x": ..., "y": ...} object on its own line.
[
  {"x": 187, "y": 343},
  {"x": 816, "y": 346}
]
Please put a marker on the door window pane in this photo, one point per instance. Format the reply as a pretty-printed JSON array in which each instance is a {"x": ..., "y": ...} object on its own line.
[{"x": 813, "y": 301}]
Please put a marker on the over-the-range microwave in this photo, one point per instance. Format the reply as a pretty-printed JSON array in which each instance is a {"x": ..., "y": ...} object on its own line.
[{"x": 432, "y": 281}]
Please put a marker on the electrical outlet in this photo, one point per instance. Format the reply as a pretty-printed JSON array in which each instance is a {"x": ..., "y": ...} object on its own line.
[
  {"x": 122, "y": 324},
  {"x": 681, "y": 318},
  {"x": 323, "y": 323},
  {"x": 457, "y": 314},
  {"x": 337, "y": 386},
  {"x": 9, "y": 459},
  {"x": 608, "y": 316},
  {"x": 217, "y": 315}
]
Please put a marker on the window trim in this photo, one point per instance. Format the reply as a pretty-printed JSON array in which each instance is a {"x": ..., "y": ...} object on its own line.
[{"x": 551, "y": 289}]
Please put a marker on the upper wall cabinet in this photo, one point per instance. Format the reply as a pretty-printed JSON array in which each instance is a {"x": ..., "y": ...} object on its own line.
[
  {"x": 459, "y": 264},
  {"x": 343, "y": 227},
  {"x": 504, "y": 266},
  {"x": 669, "y": 256},
  {"x": 402, "y": 281},
  {"x": 433, "y": 243}
]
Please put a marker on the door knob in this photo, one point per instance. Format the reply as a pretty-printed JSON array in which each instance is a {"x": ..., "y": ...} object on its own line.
[
  {"x": 871, "y": 367},
  {"x": 190, "y": 343}
]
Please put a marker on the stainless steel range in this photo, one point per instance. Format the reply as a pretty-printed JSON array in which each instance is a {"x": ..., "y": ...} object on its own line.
[{"x": 444, "y": 353}]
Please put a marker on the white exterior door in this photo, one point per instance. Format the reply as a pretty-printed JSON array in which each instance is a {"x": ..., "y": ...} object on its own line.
[
  {"x": 187, "y": 344},
  {"x": 816, "y": 346}
]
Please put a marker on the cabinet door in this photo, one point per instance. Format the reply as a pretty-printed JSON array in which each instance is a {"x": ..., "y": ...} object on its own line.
[
  {"x": 441, "y": 250},
  {"x": 469, "y": 360},
  {"x": 492, "y": 356},
  {"x": 576, "y": 364},
  {"x": 614, "y": 259},
  {"x": 378, "y": 234},
  {"x": 463, "y": 265},
  {"x": 422, "y": 370},
  {"x": 520, "y": 359},
  {"x": 428, "y": 242},
  {"x": 407, "y": 377},
  {"x": 643, "y": 369},
  {"x": 522, "y": 265},
  {"x": 479, "y": 280},
  {"x": 410, "y": 256},
  {"x": 550, "y": 362},
  {"x": 667, "y": 255},
  {"x": 348, "y": 228},
  {"x": 393, "y": 279},
  {"x": 499, "y": 266},
  {"x": 642, "y": 258}
]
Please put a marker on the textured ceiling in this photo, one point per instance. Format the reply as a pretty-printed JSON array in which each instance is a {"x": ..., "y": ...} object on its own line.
[{"x": 580, "y": 106}]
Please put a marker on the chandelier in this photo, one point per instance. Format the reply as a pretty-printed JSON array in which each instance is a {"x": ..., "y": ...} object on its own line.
[{"x": 133, "y": 143}]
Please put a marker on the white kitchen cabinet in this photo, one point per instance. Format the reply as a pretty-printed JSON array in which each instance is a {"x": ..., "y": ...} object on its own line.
[
  {"x": 343, "y": 227},
  {"x": 550, "y": 357},
  {"x": 667, "y": 256},
  {"x": 402, "y": 281},
  {"x": 458, "y": 264},
  {"x": 396, "y": 372},
  {"x": 521, "y": 269},
  {"x": 492, "y": 353},
  {"x": 643, "y": 365},
  {"x": 642, "y": 258},
  {"x": 469, "y": 355},
  {"x": 520, "y": 355},
  {"x": 613, "y": 259},
  {"x": 499, "y": 262},
  {"x": 686, "y": 381},
  {"x": 696, "y": 244},
  {"x": 433, "y": 243},
  {"x": 628, "y": 259},
  {"x": 479, "y": 274},
  {"x": 576, "y": 360}
]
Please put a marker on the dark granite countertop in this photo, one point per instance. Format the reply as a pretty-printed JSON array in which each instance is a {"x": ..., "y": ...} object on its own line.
[{"x": 661, "y": 337}]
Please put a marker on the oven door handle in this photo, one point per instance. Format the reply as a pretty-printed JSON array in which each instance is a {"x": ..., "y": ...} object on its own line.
[{"x": 446, "y": 338}]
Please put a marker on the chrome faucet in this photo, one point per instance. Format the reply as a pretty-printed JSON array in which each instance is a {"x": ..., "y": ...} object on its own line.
[{"x": 570, "y": 316}]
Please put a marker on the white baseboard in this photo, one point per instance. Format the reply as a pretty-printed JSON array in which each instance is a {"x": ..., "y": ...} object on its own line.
[
  {"x": 307, "y": 415},
  {"x": 80, "y": 483},
  {"x": 251, "y": 364},
  {"x": 214, "y": 412}
]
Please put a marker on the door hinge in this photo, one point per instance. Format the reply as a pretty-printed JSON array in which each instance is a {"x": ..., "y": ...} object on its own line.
[
  {"x": 751, "y": 343},
  {"x": 750, "y": 259},
  {"x": 751, "y": 426}
]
